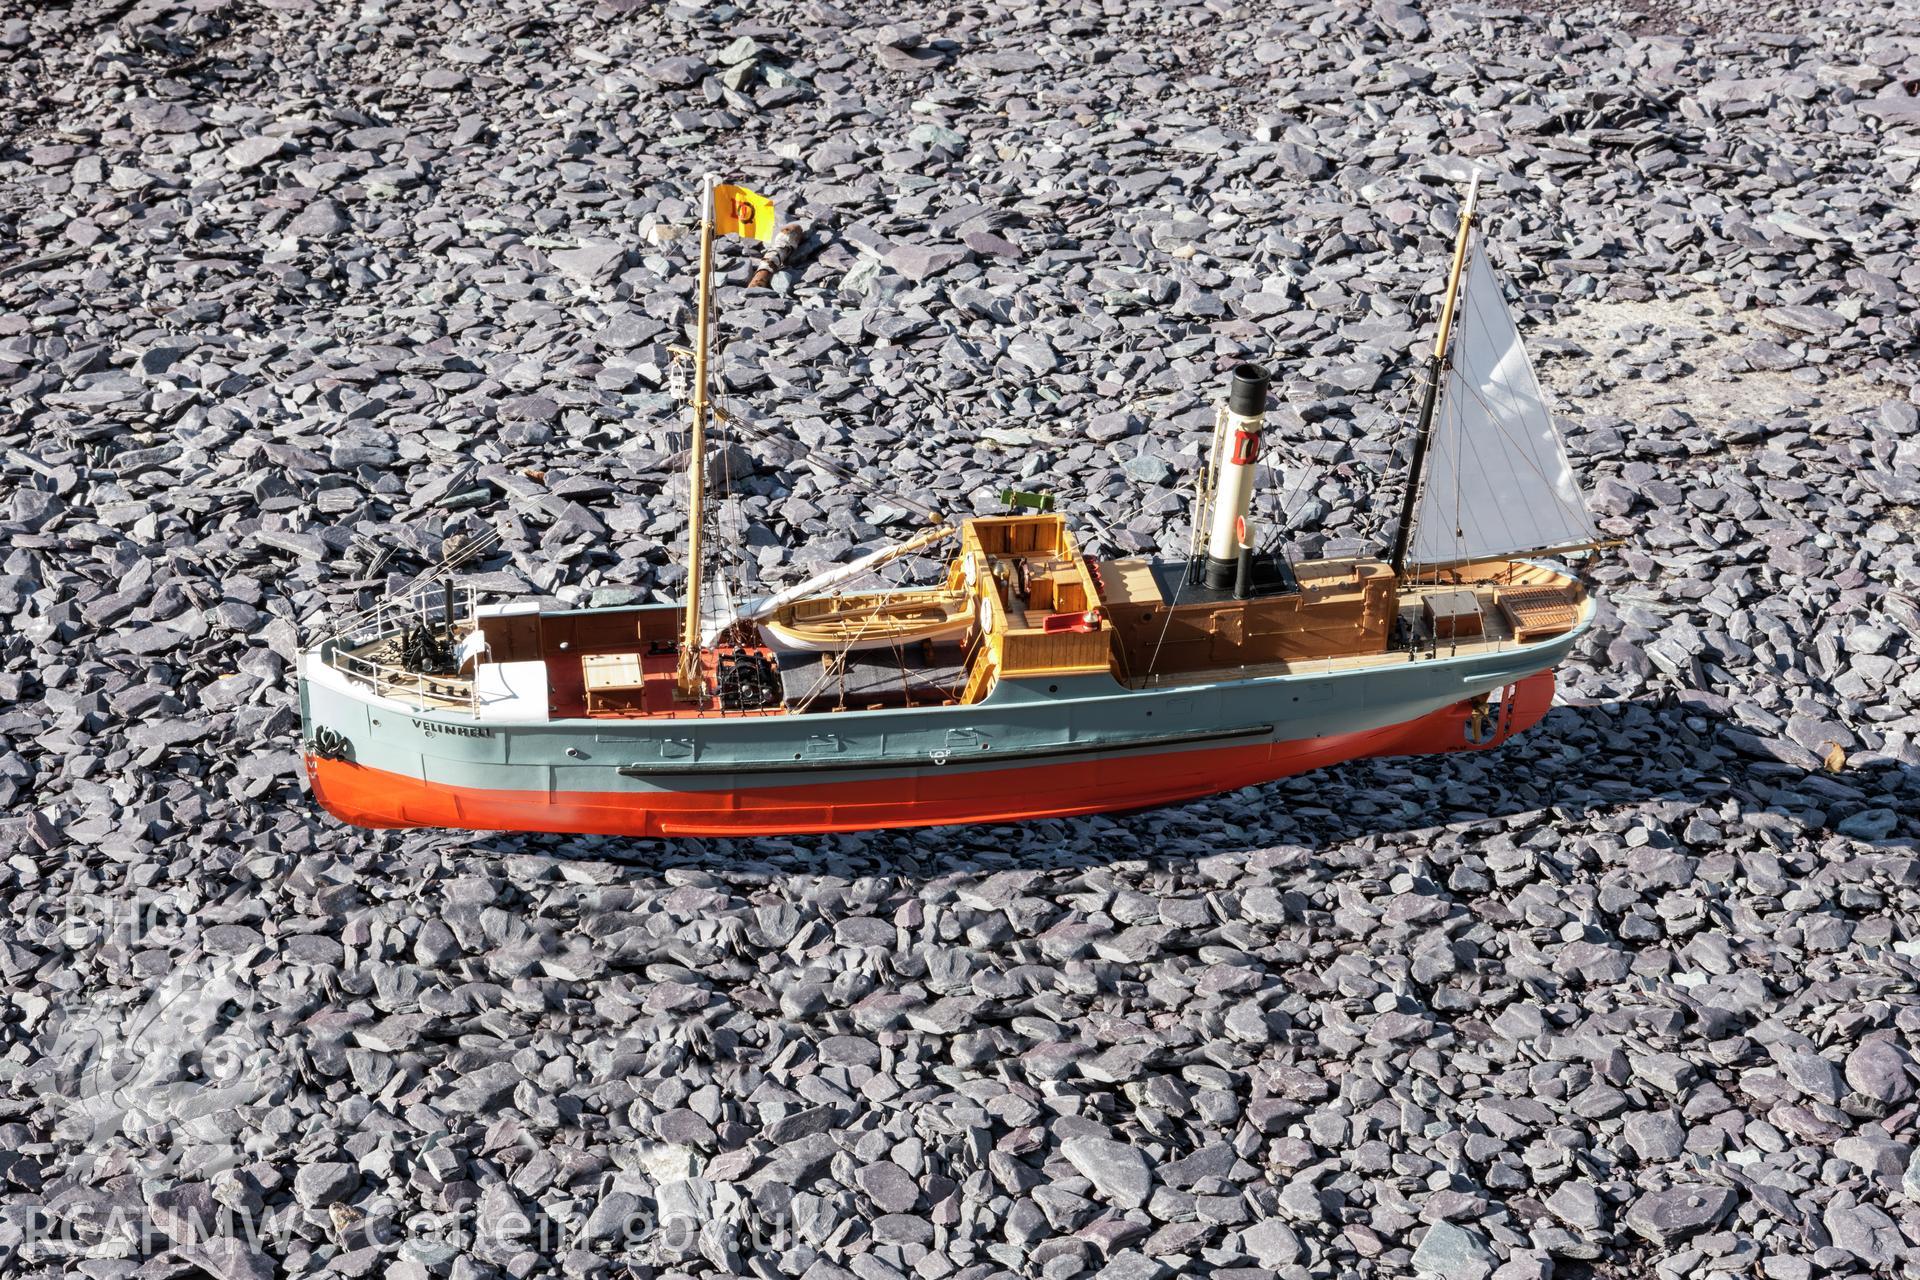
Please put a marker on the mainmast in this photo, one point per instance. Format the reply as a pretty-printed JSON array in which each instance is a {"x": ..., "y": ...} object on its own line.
[
  {"x": 1436, "y": 366},
  {"x": 687, "y": 680},
  {"x": 725, "y": 209}
]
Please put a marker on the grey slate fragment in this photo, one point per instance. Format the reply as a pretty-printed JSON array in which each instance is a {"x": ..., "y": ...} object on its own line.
[
  {"x": 797, "y": 1162},
  {"x": 1882, "y": 1071},
  {"x": 320, "y": 219},
  {"x": 1119, "y": 1172},
  {"x": 612, "y": 1217},
  {"x": 1272, "y": 1243},
  {"x": 1865, "y": 1231},
  {"x": 1814, "y": 1075},
  {"x": 1131, "y": 1264},
  {"x": 1675, "y": 1213},
  {"x": 225, "y": 1258},
  {"x": 918, "y": 262},
  {"x": 677, "y": 72},
  {"x": 591, "y": 263},
  {"x": 292, "y": 304},
  {"x": 320, "y": 1185},
  {"x": 1578, "y": 1204},
  {"x": 1655, "y": 1135},
  {"x": 890, "y": 1187},
  {"x": 1451, "y": 1251},
  {"x": 251, "y": 153}
]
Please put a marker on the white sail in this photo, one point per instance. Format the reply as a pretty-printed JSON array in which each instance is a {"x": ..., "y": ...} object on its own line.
[{"x": 1497, "y": 478}]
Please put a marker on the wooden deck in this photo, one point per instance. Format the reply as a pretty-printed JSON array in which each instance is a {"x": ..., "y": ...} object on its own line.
[
  {"x": 634, "y": 685},
  {"x": 1543, "y": 612},
  {"x": 1338, "y": 615}
]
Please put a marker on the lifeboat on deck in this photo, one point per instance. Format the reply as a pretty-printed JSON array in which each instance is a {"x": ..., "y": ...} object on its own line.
[{"x": 883, "y": 620}]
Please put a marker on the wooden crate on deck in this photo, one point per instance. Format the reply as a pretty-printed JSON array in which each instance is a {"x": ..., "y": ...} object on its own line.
[{"x": 1535, "y": 613}]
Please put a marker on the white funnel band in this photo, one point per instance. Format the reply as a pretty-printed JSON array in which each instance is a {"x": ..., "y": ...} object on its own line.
[{"x": 1239, "y": 455}]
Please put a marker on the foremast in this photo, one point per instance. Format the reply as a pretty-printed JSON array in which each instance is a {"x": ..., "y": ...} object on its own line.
[{"x": 1436, "y": 369}]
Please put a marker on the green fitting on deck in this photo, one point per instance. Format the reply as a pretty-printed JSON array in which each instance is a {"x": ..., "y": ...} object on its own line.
[{"x": 1031, "y": 501}]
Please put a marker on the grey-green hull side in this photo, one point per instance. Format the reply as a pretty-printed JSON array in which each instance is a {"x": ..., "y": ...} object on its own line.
[{"x": 1086, "y": 717}]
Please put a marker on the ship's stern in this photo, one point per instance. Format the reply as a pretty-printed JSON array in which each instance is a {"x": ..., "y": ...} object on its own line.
[
  {"x": 332, "y": 720},
  {"x": 306, "y": 708}
]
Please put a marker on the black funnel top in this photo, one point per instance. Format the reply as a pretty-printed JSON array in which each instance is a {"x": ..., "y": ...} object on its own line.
[{"x": 1247, "y": 395}]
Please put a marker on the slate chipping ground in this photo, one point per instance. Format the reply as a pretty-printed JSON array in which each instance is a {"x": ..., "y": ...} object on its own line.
[{"x": 298, "y": 298}]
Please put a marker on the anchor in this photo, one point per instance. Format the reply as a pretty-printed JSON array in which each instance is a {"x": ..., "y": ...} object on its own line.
[{"x": 329, "y": 744}]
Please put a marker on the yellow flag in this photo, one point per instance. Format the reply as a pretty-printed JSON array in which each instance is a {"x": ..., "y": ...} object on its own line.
[{"x": 738, "y": 211}]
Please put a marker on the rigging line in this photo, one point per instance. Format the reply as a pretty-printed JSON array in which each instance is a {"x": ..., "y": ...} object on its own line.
[
  {"x": 488, "y": 535},
  {"x": 822, "y": 674},
  {"x": 1193, "y": 542},
  {"x": 1279, "y": 532},
  {"x": 1509, "y": 399},
  {"x": 1499, "y": 508},
  {"x": 1442, "y": 466},
  {"x": 1585, "y": 516},
  {"x": 1512, "y": 539},
  {"x": 731, "y": 512},
  {"x": 1445, "y": 374},
  {"x": 1465, "y": 444},
  {"x": 899, "y": 561},
  {"x": 830, "y": 664},
  {"x": 482, "y": 544},
  {"x": 899, "y": 647},
  {"x": 1462, "y": 445},
  {"x": 899, "y": 650},
  {"x": 1445, "y": 462},
  {"x": 794, "y": 458},
  {"x": 1279, "y": 524},
  {"x": 465, "y": 552},
  {"x": 1518, "y": 407},
  {"x": 1154, "y": 659},
  {"x": 406, "y": 589},
  {"x": 837, "y": 661},
  {"x": 1412, "y": 428},
  {"x": 1203, "y": 512}
]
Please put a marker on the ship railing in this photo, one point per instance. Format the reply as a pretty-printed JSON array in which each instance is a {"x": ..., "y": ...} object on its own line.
[
  {"x": 391, "y": 618},
  {"x": 427, "y": 603}
]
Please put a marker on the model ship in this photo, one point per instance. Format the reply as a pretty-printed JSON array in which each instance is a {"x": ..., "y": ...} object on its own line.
[{"x": 1033, "y": 681}]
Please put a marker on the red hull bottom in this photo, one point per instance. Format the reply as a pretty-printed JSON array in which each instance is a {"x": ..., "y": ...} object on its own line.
[{"x": 375, "y": 798}]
